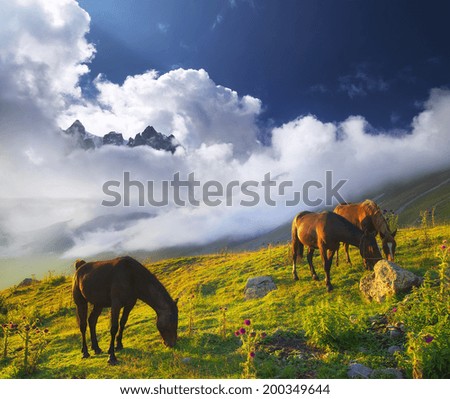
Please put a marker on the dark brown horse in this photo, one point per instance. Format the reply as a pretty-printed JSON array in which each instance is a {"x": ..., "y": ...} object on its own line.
[
  {"x": 325, "y": 231},
  {"x": 119, "y": 283},
  {"x": 367, "y": 215}
]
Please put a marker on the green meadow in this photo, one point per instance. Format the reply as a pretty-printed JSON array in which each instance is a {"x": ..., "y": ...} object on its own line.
[{"x": 300, "y": 330}]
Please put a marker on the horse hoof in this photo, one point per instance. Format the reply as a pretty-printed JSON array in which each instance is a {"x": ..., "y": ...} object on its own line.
[
  {"x": 112, "y": 361},
  {"x": 329, "y": 288},
  {"x": 98, "y": 351},
  {"x": 119, "y": 347},
  {"x": 85, "y": 355},
  {"x": 315, "y": 278},
  {"x": 295, "y": 278}
]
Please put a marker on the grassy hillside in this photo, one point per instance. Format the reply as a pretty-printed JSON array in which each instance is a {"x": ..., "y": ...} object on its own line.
[{"x": 309, "y": 333}]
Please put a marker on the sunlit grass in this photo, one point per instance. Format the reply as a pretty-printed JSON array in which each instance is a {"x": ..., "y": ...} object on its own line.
[{"x": 213, "y": 282}]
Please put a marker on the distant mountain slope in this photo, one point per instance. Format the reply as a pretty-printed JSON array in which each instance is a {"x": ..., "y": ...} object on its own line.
[{"x": 406, "y": 198}]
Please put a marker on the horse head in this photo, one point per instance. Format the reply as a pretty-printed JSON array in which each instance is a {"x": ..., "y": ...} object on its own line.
[
  {"x": 167, "y": 324},
  {"x": 369, "y": 250},
  {"x": 389, "y": 245}
]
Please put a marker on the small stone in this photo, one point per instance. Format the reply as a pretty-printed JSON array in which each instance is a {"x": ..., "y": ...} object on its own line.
[
  {"x": 357, "y": 370},
  {"x": 186, "y": 360},
  {"x": 394, "y": 348},
  {"x": 395, "y": 333}
]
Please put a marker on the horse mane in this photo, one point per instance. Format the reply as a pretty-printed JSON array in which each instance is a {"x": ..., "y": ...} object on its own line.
[
  {"x": 378, "y": 220},
  {"x": 147, "y": 275}
]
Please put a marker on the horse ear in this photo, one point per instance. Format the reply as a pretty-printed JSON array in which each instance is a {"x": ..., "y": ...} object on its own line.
[{"x": 382, "y": 235}]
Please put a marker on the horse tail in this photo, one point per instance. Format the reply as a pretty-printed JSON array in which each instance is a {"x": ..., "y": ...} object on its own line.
[
  {"x": 79, "y": 263},
  {"x": 297, "y": 246}
]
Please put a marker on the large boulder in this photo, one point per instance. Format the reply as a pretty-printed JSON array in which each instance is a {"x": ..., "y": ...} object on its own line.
[
  {"x": 387, "y": 279},
  {"x": 257, "y": 287}
]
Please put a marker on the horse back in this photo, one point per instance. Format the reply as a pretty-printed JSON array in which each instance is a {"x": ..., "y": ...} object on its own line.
[{"x": 100, "y": 282}]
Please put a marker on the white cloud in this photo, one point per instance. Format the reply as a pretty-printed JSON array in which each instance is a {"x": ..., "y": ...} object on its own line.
[
  {"x": 44, "y": 182},
  {"x": 186, "y": 103}
]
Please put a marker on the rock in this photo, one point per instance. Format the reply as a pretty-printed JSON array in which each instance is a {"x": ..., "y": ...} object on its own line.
[
  {"x": 186, "y": 360},
  {"x": 394, "y": 348},
  {"x": 387, "y": 279},
  {"x": 395, "y": 333},
  {"x": 358, "y": 370},
  {"x": 257, "y": 287},
  {"x": 388, "y": 373},
  {"x": 26, "y": 282}
]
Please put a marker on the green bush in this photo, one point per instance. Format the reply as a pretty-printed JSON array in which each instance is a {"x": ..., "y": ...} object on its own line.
[
  {"x": 425, "y": 319},
  {"x": 331, "y": 325}
]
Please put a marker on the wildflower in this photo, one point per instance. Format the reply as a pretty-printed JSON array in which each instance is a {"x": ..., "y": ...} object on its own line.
[
  {"x": 263, "y": 335},
  {"x": 444, "y": 242},
  {"x": 27, "y": 328},
  {"x": 5, "y": 325},
  {"x": 242, "y": 330},
  {"x": 247, "y": 322},
  {"x": 443, "y": 247},
  {"x": 45, "y": 330},
  {"x": 252, "y": 354},
  {"x": 394, "y": 310},
  {"x": 253, "y": 334},
  {"x": 237, "y": 333},
  {"x": 428, "y": 338}
]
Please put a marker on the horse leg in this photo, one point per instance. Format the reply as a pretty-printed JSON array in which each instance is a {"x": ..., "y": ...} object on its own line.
[
  {"x": 346, "y": 246},
  {"x": 82, "y": 323},
  {"x": 123, "y": 321},
  {"x": 297, "y": 250},
  {"x": 328, "y": 264},
  {"x": 309, "y": 257},
  {"x": 93, "y": 317},
  {"x": 337, "y": 255},
  {"x": 115, "y": 311}
]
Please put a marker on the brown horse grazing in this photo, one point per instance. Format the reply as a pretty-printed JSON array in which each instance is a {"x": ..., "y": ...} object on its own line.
[
  {"x": 119, "y": 283},
  {"x": 326, "y": 231},
  {"x": 367, "y": 215}
]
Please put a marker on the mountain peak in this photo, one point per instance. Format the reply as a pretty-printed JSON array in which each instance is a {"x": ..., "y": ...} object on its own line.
[{"x": 149, "y": 137}]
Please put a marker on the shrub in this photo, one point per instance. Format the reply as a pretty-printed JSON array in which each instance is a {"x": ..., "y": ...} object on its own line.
[
  {"x": 330, "y": 325},
  {"x": 424, "y": 314}
]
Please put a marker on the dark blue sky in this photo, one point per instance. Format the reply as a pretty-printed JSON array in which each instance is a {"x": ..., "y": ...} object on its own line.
[{"x": 330, "y": 58}]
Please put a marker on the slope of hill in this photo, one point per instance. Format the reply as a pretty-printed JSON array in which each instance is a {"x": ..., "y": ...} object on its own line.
[
  {"x": 407, "y": 199},
  {"x": 212, "y": 307}
]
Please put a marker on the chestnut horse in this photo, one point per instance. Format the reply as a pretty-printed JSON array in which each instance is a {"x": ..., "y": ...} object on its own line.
[
  {"x": 325, "y": 231},
  {"x": 119, "y": 283},
  {"x": 367, "y": 215}
]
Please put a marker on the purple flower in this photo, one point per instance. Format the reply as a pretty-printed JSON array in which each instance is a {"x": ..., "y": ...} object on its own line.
[
  {"x": 443, "y": 247},
  {"x": 263, "y": 335},
  {"x": 428, "y": 338},
  {"x": 252, "y": 354},
  {"x": 247, "y": 322},
  {"x": 237, "y": 333},
  {"x": 394, "y": 309},
  {"x": 242, "y": 330},
  {"x": 252, "y": 334}
]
